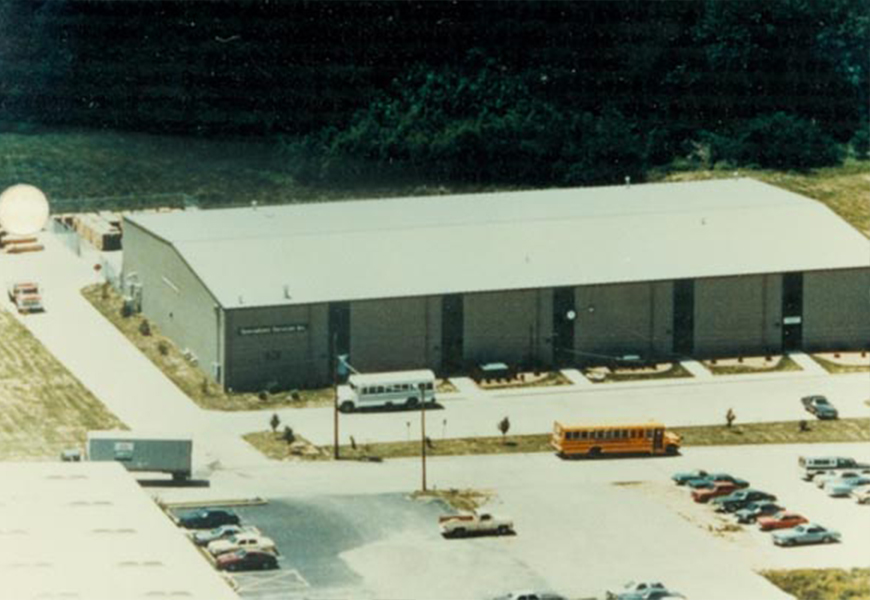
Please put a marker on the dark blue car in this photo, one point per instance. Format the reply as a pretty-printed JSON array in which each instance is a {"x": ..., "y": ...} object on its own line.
[{"x": 208, "y": 518}]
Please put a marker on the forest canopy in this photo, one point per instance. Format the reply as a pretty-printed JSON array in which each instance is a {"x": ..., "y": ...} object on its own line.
[{"x": 494, "y": 92}]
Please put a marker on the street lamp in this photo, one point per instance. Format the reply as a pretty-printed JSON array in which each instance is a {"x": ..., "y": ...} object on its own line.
[{"x": 422, "y": 387}]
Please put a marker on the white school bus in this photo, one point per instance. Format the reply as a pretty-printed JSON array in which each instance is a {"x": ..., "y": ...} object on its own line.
[{"x": 393, "y": 389}]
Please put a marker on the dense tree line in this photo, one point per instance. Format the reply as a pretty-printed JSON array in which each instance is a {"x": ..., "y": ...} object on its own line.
[{"x": 519, "y": 92}]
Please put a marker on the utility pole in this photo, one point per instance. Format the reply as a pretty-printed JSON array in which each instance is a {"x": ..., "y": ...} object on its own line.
[
  {"x": 334, "y": 364},
  {"x": 422, "y": 387}
]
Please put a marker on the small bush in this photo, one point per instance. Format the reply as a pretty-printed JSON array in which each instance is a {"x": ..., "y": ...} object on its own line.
[
  {"x": 288, "y": 435},
  {"x": 163, "y": 348},
  {"x": 126, "y": 310},
  {"x": 145, "y": 327}
]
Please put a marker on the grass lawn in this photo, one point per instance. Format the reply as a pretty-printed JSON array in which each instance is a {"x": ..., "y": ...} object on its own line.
[
  {"x": 785, "y": 363},
  {"x": 832, "y": 367},
  {"x": 43, "y": 408},
  {"x": 550, "y": 379},
  {"x": 823, "y": 584},
  {"x": 844, "y": 189},
  {"x": 71, "y": 164},
  {"x": 783, "y": 432},
  {"x": 464, "y": 500},
  {"x": 676, "y": 370},
  {"x": 186, "y": 376},
  {"x": 273, "y": 446}
]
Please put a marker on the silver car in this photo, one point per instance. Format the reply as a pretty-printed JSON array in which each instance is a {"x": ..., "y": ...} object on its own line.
[{"x": 808, "y": 533}]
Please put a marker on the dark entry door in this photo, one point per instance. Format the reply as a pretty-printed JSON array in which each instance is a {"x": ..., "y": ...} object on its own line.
[
  {"x": 684, "y": 317},
  {"x": 452, "y": 327},
  {"x": 658, "y": 439},
  {"x": 564, "y": 316},
  {"x": 792, "y": 311}
]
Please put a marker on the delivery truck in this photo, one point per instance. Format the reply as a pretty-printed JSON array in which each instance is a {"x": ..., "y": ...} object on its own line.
[{"x": 143, "y": 452}]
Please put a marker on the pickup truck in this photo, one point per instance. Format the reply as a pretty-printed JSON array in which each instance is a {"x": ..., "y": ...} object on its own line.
[
  {"x": 246, "y": 540},
  {"x": 26, "y": 297},
  {"x": 819, "y": 406},
  {"x": 474, "y": 524}
]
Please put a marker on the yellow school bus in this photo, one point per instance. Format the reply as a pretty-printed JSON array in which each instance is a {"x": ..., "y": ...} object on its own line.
[{"x": 598, "y": 440}]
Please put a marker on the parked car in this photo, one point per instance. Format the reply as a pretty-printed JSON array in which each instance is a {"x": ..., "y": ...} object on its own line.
[
  {"x": 204, "y": 538},
  {"x": 781, "y": 520},
  {"x": 808, "y": 533},
  {"x": 644, "y": 590},
  {"x": 759, "y": 508},
  {"x": 247, "y": 560},
  {"x": 208, "y": 518},
  {"x": 843, "y": 487},
  {"x": 819, "y": 406},
  {"x": 839, "y": 476},
  {"x": 530, "y": 595},
  {"x": 682, "y": 478},
  {"x": 861, "y": 494},
  {"x": 719, "y": 489},
  {"x": 474, "y": 524},
  {"x": 709, "y": 480},
  {"x": 246, "y": 540},
  {"x": 739, "y": 499}
]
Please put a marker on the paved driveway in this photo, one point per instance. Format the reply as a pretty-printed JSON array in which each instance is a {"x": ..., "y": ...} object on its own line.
[
  {"x": 583, "y": 526},
  {"x": 105, "y": 362},
  {"x": 758, "y": 398}
]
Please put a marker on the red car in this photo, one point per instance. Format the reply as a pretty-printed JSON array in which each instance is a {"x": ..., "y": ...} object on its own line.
[
  {"x": 780, "y": 520},
  {"x": 247, "y": 560},
  {"x": 720, "y": 488}
]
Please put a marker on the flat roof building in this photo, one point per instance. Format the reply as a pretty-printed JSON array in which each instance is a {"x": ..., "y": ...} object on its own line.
[
  {"x": 271, "y": 294},
  {"x": 87, "y": 530}
]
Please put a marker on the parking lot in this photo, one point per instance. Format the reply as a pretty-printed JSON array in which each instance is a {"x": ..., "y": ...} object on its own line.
[{"x": 582, "y": 526}]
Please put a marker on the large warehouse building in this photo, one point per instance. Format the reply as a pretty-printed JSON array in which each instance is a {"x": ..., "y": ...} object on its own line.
[{"x": 269, "y": 295}]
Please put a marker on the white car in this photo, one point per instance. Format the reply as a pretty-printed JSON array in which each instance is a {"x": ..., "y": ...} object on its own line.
[
  {"x": 861, "y": 494},
  {"x": 839, "y": 476},
  {"x": 242, "y": 541}
]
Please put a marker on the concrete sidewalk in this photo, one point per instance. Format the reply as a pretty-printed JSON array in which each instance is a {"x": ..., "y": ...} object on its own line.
[{"x": 806, "y": 363}]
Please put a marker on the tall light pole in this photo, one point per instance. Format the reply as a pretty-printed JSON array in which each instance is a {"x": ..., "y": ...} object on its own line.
[
  {"x": 422, "y": 387},
  {"x": 334, "y": 364}
]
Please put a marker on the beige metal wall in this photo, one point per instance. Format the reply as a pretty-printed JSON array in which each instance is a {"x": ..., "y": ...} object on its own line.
[
  {"x": 395, "y": 334},
  {"x": 620, "y": 319},
  {"x": 513, "y": 326},
  {"x": 836, "y": 313},
  {"x": 289, "y": 359},
  {"x": 738, "y": 315},
  {"x": 173, "y": 298}
]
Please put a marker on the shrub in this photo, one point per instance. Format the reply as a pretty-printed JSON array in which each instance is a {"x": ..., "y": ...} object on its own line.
[
  {"x": 288, "y": 435},
  {"x": 162, "y": 348},
  {"x": 145, "y": 327}
]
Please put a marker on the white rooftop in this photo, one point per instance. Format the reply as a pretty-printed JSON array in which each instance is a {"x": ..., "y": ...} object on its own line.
[
  {"x": 88, "y": 531},
  {"x": 365, "y": 249}
]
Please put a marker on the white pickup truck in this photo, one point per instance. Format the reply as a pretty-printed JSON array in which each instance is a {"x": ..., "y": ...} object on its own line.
[
  {"x": 474, "y": 524},
  {"x": 246, "y": 540}
]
